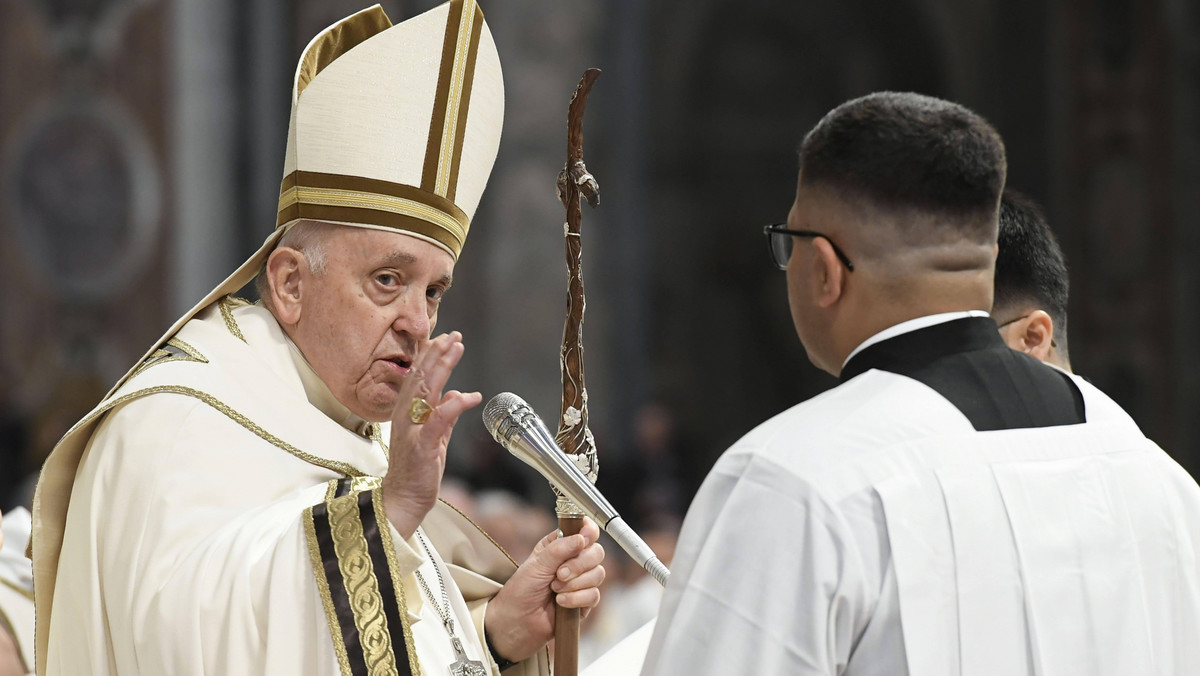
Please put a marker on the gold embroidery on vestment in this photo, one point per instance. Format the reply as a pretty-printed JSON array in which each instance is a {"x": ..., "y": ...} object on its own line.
[
  {"x": 362, "y": 586},
  {"x": 314, "y": 552},
  {"x": 164, "y": 355},
  {"x": 339, "y": 467},
  {"x": 389, "y": 549},
  {"x": 227, "y": 304}
]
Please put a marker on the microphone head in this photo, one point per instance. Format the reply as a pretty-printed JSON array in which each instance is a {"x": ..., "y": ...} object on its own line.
[{"x": 502, "y": 415}]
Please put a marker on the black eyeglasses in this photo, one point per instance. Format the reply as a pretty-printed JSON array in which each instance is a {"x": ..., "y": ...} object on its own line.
[{"x": 779, "y": 241}]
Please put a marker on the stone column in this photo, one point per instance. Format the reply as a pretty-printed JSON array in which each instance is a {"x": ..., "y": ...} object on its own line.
[{"x": 204, "y": 153}]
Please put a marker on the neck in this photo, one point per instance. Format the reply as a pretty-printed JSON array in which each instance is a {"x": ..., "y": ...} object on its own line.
[{"x": 885, "y": 308}]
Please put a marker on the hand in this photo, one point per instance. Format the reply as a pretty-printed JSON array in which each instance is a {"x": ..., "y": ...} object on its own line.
[
  {"x": 566, "y": 571},
  {"x": 418, "y": 451}
]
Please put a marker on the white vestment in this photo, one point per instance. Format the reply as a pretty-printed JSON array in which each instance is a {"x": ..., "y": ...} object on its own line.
[
  {"x": 873, "y": 531},
  {"x": 225, "y": 519}
]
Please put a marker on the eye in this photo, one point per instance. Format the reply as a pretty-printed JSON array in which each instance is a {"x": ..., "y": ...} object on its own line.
[
  {"x": 435, "y": 293},
  {"x": 387, "y": 279}
]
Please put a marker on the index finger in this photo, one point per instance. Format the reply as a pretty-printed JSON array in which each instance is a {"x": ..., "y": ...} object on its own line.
[{"x": 436, "y": 362}]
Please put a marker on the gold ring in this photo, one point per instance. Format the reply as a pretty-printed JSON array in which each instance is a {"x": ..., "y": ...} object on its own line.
[{"x": 420, "y": 411}]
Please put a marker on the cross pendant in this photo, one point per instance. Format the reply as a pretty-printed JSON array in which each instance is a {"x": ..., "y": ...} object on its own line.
[{"x": 463, "y": 666}]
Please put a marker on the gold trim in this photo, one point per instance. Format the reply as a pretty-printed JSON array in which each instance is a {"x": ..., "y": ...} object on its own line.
[
  {"x": 332, "y": 465},
  {"x": 337, "y": 40},
  {"x": 331, "y": 492},
  {"x": 227, "y": 304},
  {"x": 389, "y": 549},
  {"x": 359, "y": 484},
  {"x": 362, "y": 586},
  {"x": 482, "y": 532},
  {"x": 450, "y": 133},
  {"x": 318, "y": 563},
  {"x": 163, "y": 356},
  {"x": 331, "y": 197},
  {"x": 465, "y": 103}
]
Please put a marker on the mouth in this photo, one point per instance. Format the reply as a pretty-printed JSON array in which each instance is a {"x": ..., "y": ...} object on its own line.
[{"x": 398, "y": 364}]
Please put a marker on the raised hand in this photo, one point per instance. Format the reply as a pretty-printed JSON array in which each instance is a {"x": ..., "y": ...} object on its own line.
[{"x": 418, "y": 449}]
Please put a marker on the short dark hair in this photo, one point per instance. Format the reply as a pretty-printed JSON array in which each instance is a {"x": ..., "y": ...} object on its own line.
[
  {"x": 908, "y": 151},
  {"x": 1031, "y": 267}
]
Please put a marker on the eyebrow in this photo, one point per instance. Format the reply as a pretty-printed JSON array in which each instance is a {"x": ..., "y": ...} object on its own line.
[{"x": 405, "y": 258}]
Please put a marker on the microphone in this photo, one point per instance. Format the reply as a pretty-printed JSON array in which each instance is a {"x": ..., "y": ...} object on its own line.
[{"x": 514, "y": 425}]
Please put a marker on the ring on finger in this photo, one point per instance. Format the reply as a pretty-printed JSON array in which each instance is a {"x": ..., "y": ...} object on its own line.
[{"x": 419, "y": 411}]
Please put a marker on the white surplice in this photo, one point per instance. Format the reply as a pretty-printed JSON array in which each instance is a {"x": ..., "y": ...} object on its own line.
[
  {"x": 873, "y": 531},
  {"x": 184, "y": 549}
]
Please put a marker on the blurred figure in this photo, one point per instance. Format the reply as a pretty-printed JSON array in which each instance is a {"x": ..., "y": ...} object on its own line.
[
  {"x": 14, "y": 441},
  {"x": 16, "y": 594},
  {"x": 513, "y": 523},
  {"x": 630, "y": 596},
  {"x": 649, "y": 481},
  {"x": 1030, "y": 301}
]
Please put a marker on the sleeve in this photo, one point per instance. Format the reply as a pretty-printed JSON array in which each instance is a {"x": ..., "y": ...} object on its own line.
[{"x": 763, "y": 580}]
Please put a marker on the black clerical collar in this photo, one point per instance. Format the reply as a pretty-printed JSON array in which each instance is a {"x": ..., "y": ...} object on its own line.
[
  {"x": 909, "y": 352},
  {"x": 967, "y": 363}
]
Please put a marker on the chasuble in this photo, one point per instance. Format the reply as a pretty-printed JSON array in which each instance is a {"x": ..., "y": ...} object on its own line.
[{"x": 226, "y": 518}]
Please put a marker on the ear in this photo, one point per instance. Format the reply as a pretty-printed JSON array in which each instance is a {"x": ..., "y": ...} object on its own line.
[
  {"x": 284, "y": 267},
  {"x": 829, "y": 275},
  {"x": 1036, "y": 335}
]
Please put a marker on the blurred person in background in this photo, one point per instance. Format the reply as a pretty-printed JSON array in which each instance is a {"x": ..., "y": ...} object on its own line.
[
  {"x": 16, "y": 595},
  {"x": 1031, "y": 284},
  {"x": 648, "y": 481},
  {"x": 259, "y": 494},
  {"x": 631, "y": 599}
]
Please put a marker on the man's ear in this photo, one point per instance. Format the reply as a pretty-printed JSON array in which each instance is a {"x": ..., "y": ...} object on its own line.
[
  {"x": 1036, "y": 334},
  {"x": 828, "y": 273},
  {"x": 284, "y": 267}
]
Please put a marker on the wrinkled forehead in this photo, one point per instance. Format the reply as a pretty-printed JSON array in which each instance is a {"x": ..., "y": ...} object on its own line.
[{"x": 382, "y": 247}]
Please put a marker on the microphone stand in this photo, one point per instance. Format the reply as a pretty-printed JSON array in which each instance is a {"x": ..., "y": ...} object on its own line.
[{"x": 573, "y": 435}]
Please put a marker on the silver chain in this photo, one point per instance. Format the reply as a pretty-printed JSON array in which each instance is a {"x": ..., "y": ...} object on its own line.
[{"x": 447, "y": 618}]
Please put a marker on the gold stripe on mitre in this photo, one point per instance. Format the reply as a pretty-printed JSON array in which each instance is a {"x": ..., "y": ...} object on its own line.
[
  {"x": 447, "y": 128},
  {"x": 338, "y": 198},
  {"x": 336, "y": 40}
]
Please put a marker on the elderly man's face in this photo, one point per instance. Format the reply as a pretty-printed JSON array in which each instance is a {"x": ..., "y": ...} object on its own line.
[{"x": 365, "y": 318}]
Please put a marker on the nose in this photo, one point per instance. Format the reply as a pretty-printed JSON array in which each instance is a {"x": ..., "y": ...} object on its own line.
[{"x": 412, "y": 316}]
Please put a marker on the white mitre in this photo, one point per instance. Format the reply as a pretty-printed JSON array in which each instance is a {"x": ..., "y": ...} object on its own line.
[{"x": 385, "y": 135}]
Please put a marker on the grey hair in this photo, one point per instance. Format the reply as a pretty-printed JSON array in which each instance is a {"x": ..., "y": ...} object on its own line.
[{"x": 307, "y": 237}]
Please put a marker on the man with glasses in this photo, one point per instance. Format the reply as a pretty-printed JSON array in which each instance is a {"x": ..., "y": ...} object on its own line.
[
  {"x": 1030, "y": 305},
  {"x": 953, "y": 506}
]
